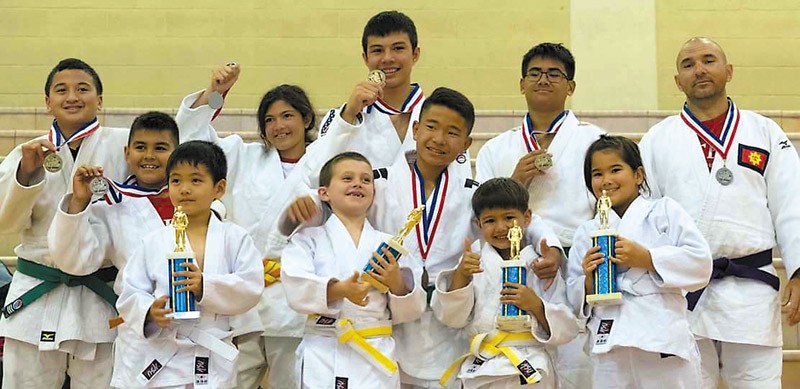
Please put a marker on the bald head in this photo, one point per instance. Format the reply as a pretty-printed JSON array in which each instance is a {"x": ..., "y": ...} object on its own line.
[{"x": 700, "y": 43}]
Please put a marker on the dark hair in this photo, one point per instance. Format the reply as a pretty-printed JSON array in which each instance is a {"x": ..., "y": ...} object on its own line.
[
  {"x": 388, "y": 22},
  {"x": 155, "y": 121},
  {"x": 200, "y": 152},
  {"x": 326, "y": 173},
  {"x": 451, "y": 99},
  {"x": 627, "y": 150},
  {"x": 554, "y": 51},
  {"x": 297, "y": 98},
  {"x": 501, "y": 192},
  {"x": 69, "y": 64}
]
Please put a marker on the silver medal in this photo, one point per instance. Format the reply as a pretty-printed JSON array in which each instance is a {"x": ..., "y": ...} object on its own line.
[
  {"x": 215, "y": 100},
  {"x": 543, "y": 162},
  {"x": 98, "y": 186},
  {"x": 377, "y": 77},
  {"x": 724, "y": 176},
  {"x": 53, "y": 163}
]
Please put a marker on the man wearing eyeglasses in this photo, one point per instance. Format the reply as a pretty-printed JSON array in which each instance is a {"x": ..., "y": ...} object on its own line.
[{"x": 545, "y": 154}]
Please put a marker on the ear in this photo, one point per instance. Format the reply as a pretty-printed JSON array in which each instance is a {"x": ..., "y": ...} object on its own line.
[
  {"x": 678, "y": 84},
  {"x": 47, "y": 103},
  {"x": 323, "y": 194},
  {"x": 306, "y": 123},
  {"x": 476, "y": 222},
  {"x": 571, "y": 85},
  {"x": 729, "y": 72},
  {"x": 526, "y": 218},
  {"x": 467, "y": 143},
  {"x": 522, "y": 86},
  {"x": 125, "y": 149},
  {"x": 415, "y": 56},
  {"x": 99, "y": 103},
  {"x": 364, "y": 57},
  {"x": 415, "y": 127},
  {"x": 638, "y": 175},
  {"x": 219, "y": 188}
]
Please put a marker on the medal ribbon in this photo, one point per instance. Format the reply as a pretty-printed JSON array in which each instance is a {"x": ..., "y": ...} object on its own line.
[
  {"x": 414, "y": 98},
  {"x": 433, "y": 212},
  {"x": 128, "y": 188},
  {"x": 528, "y": 133},
  {"x": 721, "y": 144},
  {"x": 55, "y": 136}
]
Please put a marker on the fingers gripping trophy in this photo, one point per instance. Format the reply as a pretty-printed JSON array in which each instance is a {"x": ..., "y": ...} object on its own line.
[
  {"x": 395, "y": 246},
  {"x": 511, "y": 318},
  {"x": 182, "y": 303},
  {"x": 606, "y": 290}
]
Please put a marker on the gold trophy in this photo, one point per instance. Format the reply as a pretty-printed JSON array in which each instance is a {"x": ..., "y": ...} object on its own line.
[
  {"x": 606, "y": 290},
  {"x": 395, "y": 246},
  {"x": 182, "y": 304},
  {"x": 511, "y": 318}
]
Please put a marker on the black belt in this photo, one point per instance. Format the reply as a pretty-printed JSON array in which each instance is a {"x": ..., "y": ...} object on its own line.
[
  {"x": 744, "y": 267},
  {"x": 429, "y": 292}
]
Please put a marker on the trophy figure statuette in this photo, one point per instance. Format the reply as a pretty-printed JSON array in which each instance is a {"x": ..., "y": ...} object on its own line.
[
  {"x": 182, "y": 304},
  {"x": 606, "y": 290},
  {"x": 395, "y": 246},
  {"x": 511, "y": 318}
]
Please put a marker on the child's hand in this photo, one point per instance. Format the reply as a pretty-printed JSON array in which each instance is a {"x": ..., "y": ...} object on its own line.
[
  {"x": 158, "y": 312},
  {"x": 223, "y": 77},
  {"x": 591, "y": 260},
  {"x": 387, "y": 271},
  {"x": 521, "y": 296},
  {"x": 302, "y": 210},
  {"x": 81, "y": 190},
  {"x": 470, "y": 264},
  {"x": 193, "y": 281},
  {"x": 632, "y": 254},
  {"x": 526, "y": 170},
  {"x": 33, "y": 154},
  {"x": 365, "y": 93},
  {"x": 355, "y": 290},
  {"x": 546, "y": 267}
]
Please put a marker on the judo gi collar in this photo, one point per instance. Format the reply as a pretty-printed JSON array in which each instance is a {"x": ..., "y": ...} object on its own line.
[
  {"x": 414, "y": 98},
  {"x": 426, "y": 230},
  {"x": 57, "y": 138},
  {"x": 721, "y": 144},
  {"x": 528, "y": 132}
]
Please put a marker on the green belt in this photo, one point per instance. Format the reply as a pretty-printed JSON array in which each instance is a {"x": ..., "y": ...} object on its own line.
[{"x": 52, "y": 278}]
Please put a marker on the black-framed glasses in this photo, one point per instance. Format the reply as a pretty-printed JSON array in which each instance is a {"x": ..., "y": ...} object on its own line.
[{"x": 553, "y": 75}]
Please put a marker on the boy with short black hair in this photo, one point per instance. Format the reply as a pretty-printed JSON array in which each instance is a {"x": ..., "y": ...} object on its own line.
[
  {"x": 321, "y": 267},
  {"x": 53, "y": 323},
  {"x": 467, "y": 297},
  {"x": 225, "y": 278}
]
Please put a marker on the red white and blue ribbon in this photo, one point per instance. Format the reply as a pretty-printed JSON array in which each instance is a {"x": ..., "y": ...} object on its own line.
[
  {"x": 529, "y": 134},
  {"x": 721, "y": 143},
  {"x": 57, "y": 138},
  {"x": 128, "y": 188},
  {"x": 413, "y": 99},
  {"x": 432, "y": 214}
]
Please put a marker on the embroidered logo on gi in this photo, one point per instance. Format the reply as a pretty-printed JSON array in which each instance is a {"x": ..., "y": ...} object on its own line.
[
  {"x": 784, "y": 144},
  {"x": 603, "y": 331},
  {"x": 461, "y": 158},
  {"x": 475, "y": 365},
  {"x": 48, "y": 336},
  {"x": 325, "y": 321},
  {"x": 151, "y": 369},
  {"x": 341, "y": 382},
  {"x": 328, "y": 121},
  {"x": 753, "y": 158},
  {"x": 526, "y": 369},
  {"x": 470, "y": 183},
  {"x": 201, "y": 370}
]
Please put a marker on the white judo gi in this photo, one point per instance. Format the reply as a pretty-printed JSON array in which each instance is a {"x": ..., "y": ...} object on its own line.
[
  {"x": 67, "y": 322},
  {"x": 200, "y": 351},
  {"x": 314, "y": 257},
  {"x": 756, "y": 212},
  {"x": 646, "y": 339},
  {"x": 561, "y": 199},
  {"x": 475, "y": 308}
]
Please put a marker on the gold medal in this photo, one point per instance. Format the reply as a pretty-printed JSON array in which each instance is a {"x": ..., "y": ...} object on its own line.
[
  {"x": 53, "y": 163},
  {"x": 377, "y": 77},
  {"x": 543, "y": 162}
]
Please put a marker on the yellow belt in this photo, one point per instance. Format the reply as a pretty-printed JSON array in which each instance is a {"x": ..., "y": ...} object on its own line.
[
  {"x": 489, "y": 345},
  {"x": 272, "y": 271},
  {"x": 356, "y": 338}
]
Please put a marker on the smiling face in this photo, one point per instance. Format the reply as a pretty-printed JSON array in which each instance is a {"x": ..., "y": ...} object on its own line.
[
  {"x": 393, "y": 55},
  {"x": 351, "y": 189},
  {"x": 612, "y": 174},
  {"x": 703, "y": 71},
  {"x": 147, "y": 154},
  {"x": 193, "y": 188},
  {"x": 495, "y": 223},
  {"x": 441, "y": 134},
  {"x": 73, "y": 99},
  {"x": 546, "y": 93},
  {"x": 286, "y": 127}
]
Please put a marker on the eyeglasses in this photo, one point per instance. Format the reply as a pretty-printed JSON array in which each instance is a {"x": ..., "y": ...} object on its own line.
[{"x": 553, "y": 75}]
